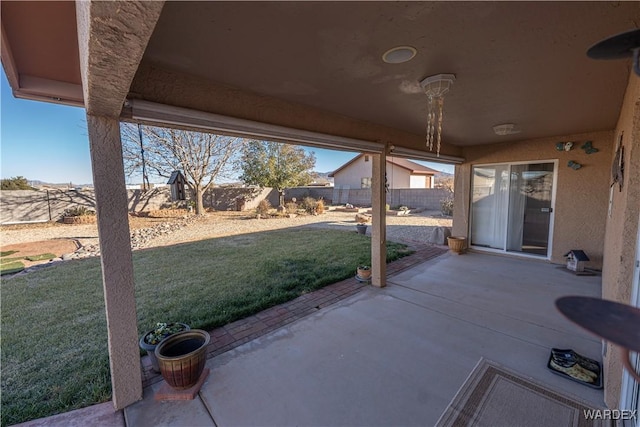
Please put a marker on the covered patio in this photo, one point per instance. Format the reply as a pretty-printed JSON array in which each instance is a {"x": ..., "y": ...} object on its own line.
[
  {"x": 317, "y": 73},
  {"x": 395, "y": 356}
]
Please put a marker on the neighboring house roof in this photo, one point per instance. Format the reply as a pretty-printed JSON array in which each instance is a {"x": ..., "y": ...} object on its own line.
[
  {"x": 412, "y": 167},
  {"x": 175, "y": 176}
]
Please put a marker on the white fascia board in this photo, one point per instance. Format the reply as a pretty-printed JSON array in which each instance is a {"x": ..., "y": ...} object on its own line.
[
  {"x": 425, "y": 155},
  {"x": 165, "y": 115}
]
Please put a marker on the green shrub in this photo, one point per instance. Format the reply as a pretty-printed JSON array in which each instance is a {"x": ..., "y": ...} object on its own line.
[
  {"x": 263, "y": 207},
  {"x": 292, "y": 207},
  {"x": 446, "y": 205},
  {"x": 78, "y": 211},
  {"x": 309, "y": 204}
]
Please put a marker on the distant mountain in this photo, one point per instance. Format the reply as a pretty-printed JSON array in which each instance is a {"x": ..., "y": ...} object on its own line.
[
  {"x": 442, "y": 174},
  {"x": 42, "y": 184},
  {"x": 322, "y": 177}
]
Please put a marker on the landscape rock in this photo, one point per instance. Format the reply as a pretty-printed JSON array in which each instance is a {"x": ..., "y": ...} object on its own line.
[
  {"x": 363, "y": 218},
  {"x": 140, "y": 238},
  {"x": 439, "y": 235}
]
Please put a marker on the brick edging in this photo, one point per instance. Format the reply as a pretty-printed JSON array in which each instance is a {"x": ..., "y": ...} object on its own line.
[{"x": 234, "y": 334}]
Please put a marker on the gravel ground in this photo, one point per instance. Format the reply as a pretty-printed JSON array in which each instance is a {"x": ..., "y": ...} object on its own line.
[
  {"x": 412, "y": 229},
  {"x": 85, "y": 234}
]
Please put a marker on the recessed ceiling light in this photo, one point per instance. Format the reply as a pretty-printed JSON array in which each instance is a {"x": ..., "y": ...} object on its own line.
[
  {"x": 505, "y": 129},
  {"x": 399, "y": 54}
]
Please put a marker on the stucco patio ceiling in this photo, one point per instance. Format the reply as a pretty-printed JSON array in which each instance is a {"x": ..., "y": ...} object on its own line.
[{"x": 309, "y": 65}]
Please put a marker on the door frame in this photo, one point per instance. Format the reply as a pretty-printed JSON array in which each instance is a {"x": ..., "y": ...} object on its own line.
[
  {"x": 629, "y": 385},
  {"x": 504, "y": 251}
]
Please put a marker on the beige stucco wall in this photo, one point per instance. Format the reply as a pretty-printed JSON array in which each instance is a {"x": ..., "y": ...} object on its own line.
[
  {"x": 622, "y": 229},
  {"x": 398, "y": 177},
  {"x": 352, "y": 175},
  {"x": 581, "y": 195}
]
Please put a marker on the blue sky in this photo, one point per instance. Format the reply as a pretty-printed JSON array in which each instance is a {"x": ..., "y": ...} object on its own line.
[{"x": 49, "y": 142}]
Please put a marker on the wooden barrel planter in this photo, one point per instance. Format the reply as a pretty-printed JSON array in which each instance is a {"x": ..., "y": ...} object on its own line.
[
  {"x": 457, "y": 244},
  {"x": 182, "y": 357}
]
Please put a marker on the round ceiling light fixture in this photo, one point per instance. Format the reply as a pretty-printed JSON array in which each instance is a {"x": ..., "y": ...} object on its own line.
[{"x": 399, "y": 54}]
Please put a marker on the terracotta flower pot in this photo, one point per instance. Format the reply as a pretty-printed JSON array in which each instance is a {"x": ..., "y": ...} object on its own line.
[
  {"x": 182, "y": 357},
  {"x": 364, "y": 273}
]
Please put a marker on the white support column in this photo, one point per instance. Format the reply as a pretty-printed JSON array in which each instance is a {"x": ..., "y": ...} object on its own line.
[
  {"x": 379, "y": 226},
  {"x": 117, "y": 264}
]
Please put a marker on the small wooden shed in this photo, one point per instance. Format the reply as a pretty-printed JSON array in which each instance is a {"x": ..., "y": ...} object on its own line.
[{"x": 177, "y": 181}]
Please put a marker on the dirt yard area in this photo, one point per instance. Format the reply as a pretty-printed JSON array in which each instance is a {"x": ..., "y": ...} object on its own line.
[{"x": 59, "y": 239}]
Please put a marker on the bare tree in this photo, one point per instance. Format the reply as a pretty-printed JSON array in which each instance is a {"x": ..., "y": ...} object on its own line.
[{"x": 202, "y": 157}]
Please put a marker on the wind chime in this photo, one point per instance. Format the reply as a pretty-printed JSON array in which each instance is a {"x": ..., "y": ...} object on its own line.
[{"x": 435, "y": 87}]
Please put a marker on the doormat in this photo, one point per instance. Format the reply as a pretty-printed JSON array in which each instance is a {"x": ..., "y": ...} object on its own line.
[{"x": 494, "y": 396}]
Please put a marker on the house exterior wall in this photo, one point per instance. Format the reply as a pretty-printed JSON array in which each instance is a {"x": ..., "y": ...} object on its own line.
[
  {"x": 581, "y": 195},
  {"x": 397, "y": 177},
  {"x": 621, "y": 230},
  {"x": 352, "y": 175}
]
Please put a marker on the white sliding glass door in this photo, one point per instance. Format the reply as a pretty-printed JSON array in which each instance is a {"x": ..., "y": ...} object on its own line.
[
  {"x": 489, "y": 206},
  {"x": 511, "y": 207}
]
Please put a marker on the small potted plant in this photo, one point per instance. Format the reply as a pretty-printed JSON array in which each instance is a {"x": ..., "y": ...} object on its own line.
[
  {"x": 364, "y": 272},
  {"x": 150, "y": 340}
]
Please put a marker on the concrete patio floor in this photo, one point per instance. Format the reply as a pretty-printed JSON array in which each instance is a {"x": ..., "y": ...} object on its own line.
[{"x": 394, "y": 356}]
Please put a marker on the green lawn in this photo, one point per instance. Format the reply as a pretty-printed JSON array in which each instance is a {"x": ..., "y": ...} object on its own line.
[
  {"x": 54, "y": 338},
  {"x": 11, "y": 265}
]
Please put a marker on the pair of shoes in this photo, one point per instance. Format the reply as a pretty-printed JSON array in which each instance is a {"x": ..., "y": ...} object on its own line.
[
  {"x": 569, "y": 357},
  {"x": 576, "y": 371}
]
